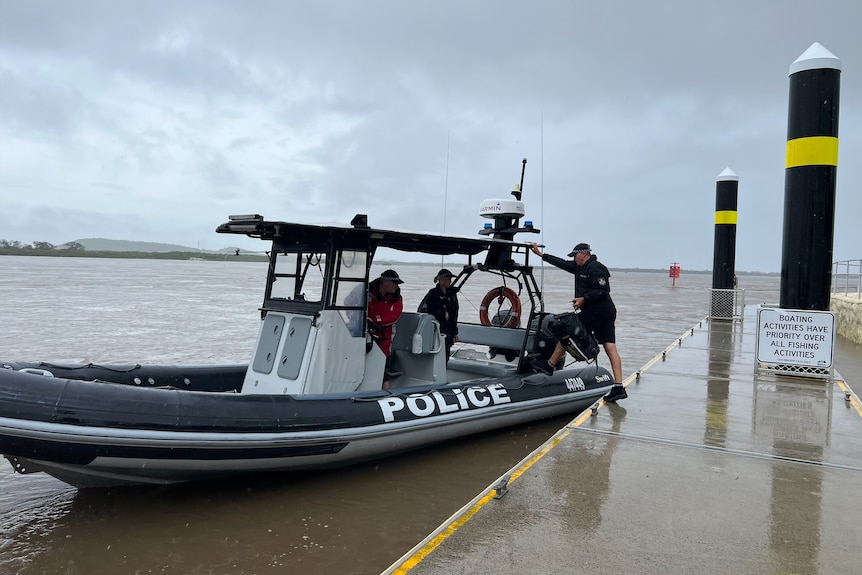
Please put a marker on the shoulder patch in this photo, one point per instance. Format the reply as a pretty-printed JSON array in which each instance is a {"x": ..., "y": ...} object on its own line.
[{"x": 603, "y": 282}]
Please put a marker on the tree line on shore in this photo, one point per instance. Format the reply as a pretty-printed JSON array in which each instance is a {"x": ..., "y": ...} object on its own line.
[
  {"x": 39, "y": 246},
  {"x": 76, "y": 249}
]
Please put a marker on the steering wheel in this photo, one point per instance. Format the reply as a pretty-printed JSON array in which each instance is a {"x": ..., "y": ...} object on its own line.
[{"x": 376, "y": 332}]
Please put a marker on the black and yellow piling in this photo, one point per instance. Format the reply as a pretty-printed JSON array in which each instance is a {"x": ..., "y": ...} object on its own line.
[
  {"x": 809, "y": 185},
  {"x": 724, "y": 248}
]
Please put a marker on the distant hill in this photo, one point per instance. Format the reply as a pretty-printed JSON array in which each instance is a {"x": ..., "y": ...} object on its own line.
[{"x": 106, "y": 245}]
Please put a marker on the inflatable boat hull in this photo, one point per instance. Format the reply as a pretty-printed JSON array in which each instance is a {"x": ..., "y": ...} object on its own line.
[{"x": 99, "y": 433}]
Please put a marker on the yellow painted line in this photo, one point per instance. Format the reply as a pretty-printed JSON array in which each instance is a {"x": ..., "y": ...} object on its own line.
[
  {"x": 585, "y": 415},
  {"x": 677, "y": 342},
  {"x": 415, "y": 556},
  {"x": 427, "y": 548},
  {"x": 812, "y": 151},
  {"x": 725, "y": 217},
  {"x": 424, "y": 548},
  {"x": 854, "y": 399}
]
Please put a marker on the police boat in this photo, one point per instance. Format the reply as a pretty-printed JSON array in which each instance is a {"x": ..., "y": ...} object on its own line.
[{"x": 310, "y": 397}]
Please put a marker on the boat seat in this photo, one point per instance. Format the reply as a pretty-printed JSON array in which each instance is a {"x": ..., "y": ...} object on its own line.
[
  {"x": 481, "y": 368},
  {"x": 418, "y": 351},
  {"x": 417, "y": 333},
  {"x": 494, "y": 336}
]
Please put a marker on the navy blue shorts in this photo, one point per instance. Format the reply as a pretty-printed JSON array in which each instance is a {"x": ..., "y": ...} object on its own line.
[{"x": 601, "y": 323}]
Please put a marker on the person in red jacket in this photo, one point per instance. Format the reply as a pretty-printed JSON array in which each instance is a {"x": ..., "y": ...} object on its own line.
[{"x": 384, "y": 308}]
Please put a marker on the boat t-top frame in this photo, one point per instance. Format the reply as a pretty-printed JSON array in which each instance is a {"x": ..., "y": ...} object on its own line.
[{"x": 323, "y": 267}]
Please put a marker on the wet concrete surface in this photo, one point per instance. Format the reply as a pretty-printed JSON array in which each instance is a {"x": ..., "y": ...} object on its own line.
[{"x": 705, "y": 468}]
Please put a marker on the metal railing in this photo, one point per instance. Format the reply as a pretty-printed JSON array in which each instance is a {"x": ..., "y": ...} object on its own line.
[
  {"x": 727, "y": 304},
  {"x": 847, "y": 277}
]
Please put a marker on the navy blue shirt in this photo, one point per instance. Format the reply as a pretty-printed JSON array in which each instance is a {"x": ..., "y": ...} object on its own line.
[
  {"x": 444, "y": 307},
  {"x": 592, "y": 282}
]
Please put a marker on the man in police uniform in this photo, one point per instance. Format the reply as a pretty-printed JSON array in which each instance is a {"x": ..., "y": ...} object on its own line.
[
  {"x": 441, "y": 301},
  {"x": 597, "y": 310}
]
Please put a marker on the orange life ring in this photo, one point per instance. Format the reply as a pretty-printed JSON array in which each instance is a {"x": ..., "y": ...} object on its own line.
[{"x": 501, "y": 293}]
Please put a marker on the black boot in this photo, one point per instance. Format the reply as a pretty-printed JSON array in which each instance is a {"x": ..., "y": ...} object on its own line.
[
  {"x": 617, "y": 392},
  {"x": 542, "y": 366}
]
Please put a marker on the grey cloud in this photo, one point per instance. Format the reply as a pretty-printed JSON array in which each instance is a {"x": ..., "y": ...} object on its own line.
[{"x": 317, "y": 110}]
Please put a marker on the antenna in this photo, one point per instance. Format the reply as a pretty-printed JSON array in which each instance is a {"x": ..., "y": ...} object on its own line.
[
  {"x": 445, "y": 190},
  {"x": 506, "y": 215},
  {"x": 517, "y": 192},
  {"x": 542, "y": 200}
]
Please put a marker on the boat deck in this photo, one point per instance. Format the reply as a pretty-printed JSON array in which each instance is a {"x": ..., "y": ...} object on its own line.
[{"x": 705, "y": 468}]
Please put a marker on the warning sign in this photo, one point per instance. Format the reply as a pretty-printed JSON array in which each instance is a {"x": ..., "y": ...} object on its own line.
[{"x": 795, "y": 337}]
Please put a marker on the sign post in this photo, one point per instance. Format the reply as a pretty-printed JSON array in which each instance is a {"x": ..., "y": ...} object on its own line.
[
  {"x": 674, "y": 272},
  {"x": 795, "y": 342}
]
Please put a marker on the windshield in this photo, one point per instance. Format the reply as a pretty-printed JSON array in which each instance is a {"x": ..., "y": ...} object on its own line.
[{"x": 309, "y": 281}]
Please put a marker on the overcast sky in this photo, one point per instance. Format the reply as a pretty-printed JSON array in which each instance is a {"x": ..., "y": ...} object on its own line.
[{"x": 154, "y": 120}]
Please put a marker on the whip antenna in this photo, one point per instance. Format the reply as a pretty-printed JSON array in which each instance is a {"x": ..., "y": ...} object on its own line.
[
  {"x": 542, "y": 199},
  {"x": 445, "y": 190}
]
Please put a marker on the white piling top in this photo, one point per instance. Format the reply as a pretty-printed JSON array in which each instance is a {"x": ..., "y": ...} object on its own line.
[
  {"x": 727, "y": 176},
  {"x": 815, "y": 58}
]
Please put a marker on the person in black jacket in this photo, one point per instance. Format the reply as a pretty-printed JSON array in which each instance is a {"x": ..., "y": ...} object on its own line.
[
  {"x": 597, "y": 310},
  {"x": 441, "y": 301}
]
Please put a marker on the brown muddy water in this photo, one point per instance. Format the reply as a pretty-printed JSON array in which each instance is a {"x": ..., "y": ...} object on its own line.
[{"x": 356, "y": 520}]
